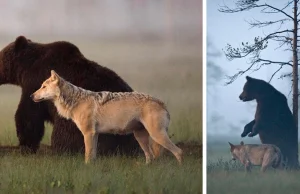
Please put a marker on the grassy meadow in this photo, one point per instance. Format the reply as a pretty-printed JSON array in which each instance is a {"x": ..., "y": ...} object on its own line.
[
  {"x": 226, "y": 175},
  {"x": 169, "y": 71}
]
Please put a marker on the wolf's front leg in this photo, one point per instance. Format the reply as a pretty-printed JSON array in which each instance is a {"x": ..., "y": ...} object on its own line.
[
  {"x": 142, "y": 136},
  {"x": 90, "y": 143},
  {"x": 248, "y": 166},
  {"x": 95, "y": 143}
]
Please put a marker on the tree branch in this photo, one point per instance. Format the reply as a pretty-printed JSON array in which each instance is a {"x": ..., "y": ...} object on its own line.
[
  {"x": 275, "y": 73},
  {"x": 254, "y": 49},
  {"x": 259, "y": 24},
  {"x": 235, "y": 76},
  {"x": 246, "y": 5},
  {"x": 231, "y": 79},
  {"x": 267, "y": 62},
  {"x": 278, "y": 10},
  {"x": 285, "y": 75}
]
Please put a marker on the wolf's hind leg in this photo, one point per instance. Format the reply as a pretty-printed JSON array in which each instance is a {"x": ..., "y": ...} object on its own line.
[
  {"x": 267, "y": 161},
  {"x": 157, "y": 124},
  {"x": 264, "y": 168},
  {"x": 161, "y": 137},
  {"x": 155, "y": 148},
  {"x": 142, "y": 136}
]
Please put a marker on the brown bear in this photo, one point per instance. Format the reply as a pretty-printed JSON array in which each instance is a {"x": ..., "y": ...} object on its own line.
[
  {"x": 27, "y": 64},
  {"x": 273, "y": 119}
]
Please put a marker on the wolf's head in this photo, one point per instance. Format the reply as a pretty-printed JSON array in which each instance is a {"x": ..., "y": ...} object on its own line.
[
  {"x": 49, "y": 89},
  {"x": 234, "y": 149}
]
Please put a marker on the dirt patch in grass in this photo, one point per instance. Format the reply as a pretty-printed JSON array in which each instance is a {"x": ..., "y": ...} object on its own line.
[{"x": 191, "y": 148}]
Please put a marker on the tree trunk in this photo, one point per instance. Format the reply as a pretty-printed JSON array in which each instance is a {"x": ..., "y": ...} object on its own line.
[{"x": 295, "y": 80}]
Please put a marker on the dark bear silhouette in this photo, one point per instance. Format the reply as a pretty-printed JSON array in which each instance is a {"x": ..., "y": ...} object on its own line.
[
  {"x": 273, "y": 119},
  {"x": 27, "y": 64}
]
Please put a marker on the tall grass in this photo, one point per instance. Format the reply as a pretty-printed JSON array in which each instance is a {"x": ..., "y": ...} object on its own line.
[
  {"x": 224, "y": 174},
  {"x": 63, "y": 174}
]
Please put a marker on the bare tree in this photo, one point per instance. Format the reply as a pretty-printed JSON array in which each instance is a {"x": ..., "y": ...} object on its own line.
[{"x": 286, "y": 37}]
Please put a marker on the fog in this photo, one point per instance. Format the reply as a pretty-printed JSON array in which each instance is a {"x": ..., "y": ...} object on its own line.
[
  {"x": 170, "y": 19},
  {"x": 155, "y": 46}
]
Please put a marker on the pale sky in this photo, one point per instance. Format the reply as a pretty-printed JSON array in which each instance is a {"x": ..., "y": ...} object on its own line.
[{"x": 223, "y": 28}]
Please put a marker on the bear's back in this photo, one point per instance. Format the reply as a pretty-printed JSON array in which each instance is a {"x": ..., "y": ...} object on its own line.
[
  {"x": 277, "y": 114},
  {"x": 67, "y": 60}
]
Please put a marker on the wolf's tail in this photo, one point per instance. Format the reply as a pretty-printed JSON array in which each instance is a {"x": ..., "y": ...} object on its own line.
[{"x": 155, "y": 148}]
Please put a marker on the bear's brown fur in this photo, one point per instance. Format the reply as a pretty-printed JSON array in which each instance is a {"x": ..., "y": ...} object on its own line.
[
  {"x": 273, "y": 119},
  {"x": 27, "y": 64}
]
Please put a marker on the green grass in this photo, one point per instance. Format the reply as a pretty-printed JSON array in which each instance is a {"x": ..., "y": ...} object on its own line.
[
  {"x": 172, "y": 74},
  {"x": 63, "y": 174},
  {"x": 224, "y": 174}
]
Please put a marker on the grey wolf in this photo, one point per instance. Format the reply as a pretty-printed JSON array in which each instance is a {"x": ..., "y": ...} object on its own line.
[
  {"x": 264, "y": 155},
  {"x": 109, "y": 112}
]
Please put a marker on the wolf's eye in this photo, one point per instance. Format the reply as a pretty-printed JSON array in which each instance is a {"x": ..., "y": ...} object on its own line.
[{"x": 43, "y": 87}]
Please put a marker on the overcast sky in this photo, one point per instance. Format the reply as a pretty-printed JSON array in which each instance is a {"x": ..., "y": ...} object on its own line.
[{"x": 223, "y": 28}]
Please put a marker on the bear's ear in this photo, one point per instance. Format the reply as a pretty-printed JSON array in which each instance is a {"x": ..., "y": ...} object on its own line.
[
  {"x": 54, "y": 76},
  {"x": 248, "y": 78},
  {"x": 242, "y": 143},
  {"x": 20, "y": 43}
]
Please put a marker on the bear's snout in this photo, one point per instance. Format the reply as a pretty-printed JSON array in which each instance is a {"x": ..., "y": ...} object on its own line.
[
  {"x": 31, "y": 96},
  {"x": 241, "y": 97}
]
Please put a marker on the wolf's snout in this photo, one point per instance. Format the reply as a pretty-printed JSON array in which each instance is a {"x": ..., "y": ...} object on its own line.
[{"x": 33, "y": 97}]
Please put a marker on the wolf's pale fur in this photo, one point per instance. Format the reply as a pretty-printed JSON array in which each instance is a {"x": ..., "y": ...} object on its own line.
[
  {"x": 264, "y": 155},
  {"x": 106, "y": 112}
]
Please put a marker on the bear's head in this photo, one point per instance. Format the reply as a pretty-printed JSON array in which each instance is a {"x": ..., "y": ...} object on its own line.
[
  {"x": 15, "y": 57},
  {"x": 253, "y": 89}
]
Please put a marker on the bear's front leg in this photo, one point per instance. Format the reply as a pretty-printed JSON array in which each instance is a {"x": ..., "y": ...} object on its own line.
[
  {"x": 66, "y": 137},
  {"x": 256, "y": 128},
  {"x": 29, "y": 120},
  {"x": 248, "y": 128}
]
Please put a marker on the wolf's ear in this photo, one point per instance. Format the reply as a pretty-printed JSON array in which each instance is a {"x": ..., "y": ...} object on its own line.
[
  {"x": 54, "y": 76},
  {"x": 231, "y": 145},
  {"x": 242, "y": 143}
]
